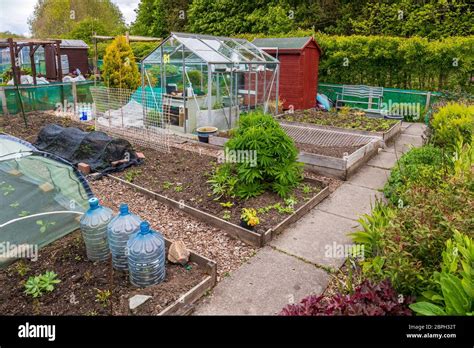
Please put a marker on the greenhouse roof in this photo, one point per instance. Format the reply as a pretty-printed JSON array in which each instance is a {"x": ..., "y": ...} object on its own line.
[{"x": 213, "y": 50}]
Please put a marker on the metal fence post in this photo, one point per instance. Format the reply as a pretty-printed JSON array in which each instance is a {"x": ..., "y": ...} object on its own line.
[
  {"x": 3, "y": 99},
  {"x": 428, "y": 99},
  {"x": 74, "y": 96}
]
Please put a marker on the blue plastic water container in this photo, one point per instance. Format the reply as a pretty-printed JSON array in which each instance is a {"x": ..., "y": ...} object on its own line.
[
  {"x": 119, "y": 230},
  {"x": 94, "y": 230},
  {"x": 146, "y": 257}
]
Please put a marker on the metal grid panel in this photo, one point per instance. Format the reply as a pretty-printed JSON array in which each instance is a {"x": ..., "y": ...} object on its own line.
[
  {"x": 324, "y": 137},
  {"x": 141, "y": 116}
]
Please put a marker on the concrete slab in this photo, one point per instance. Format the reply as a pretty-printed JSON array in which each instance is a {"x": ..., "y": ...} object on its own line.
[
  {"x": 384, "y": 159},
  {"x": 404, "y": 143},
  {"x": 405, "y": 125},
  {"x": 265, "y": 285},
  {"x": 350, "y": 201},
  {"x": 370, "y": 177},
  {"x": 318, "y": 238},
  {"x": 417, "y": 129}
]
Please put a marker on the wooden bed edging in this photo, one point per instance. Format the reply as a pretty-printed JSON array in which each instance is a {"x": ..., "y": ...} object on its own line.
[
  {"x": 247, "y": 236},
  {"x": 185, "y": 303},
  {"x": 305, "y": 208},
  {"x": 238, "y": 232},
  {"x": 341, "y": 168}
]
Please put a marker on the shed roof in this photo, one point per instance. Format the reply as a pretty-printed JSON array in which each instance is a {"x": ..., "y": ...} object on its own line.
[
  {"x": 283, "y": 43},
  {"x": 73, "y": 44}
]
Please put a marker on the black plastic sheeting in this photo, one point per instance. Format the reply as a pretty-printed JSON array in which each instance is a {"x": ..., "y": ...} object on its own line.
[{"x": 97, "y": 149}]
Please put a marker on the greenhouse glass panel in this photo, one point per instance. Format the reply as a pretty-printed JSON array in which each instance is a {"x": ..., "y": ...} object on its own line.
[{"x": 206, "y": 81}]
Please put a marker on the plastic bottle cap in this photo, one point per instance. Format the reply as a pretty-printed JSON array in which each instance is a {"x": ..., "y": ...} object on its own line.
[
  {"x": 94, "y": 203},
  {"x": 124, "y": 209},
  {"x": 144, "y": 227}
]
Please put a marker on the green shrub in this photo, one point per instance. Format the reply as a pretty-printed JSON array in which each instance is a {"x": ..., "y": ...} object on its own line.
[
  {"x": 195, "y": 77},
  {"x": 120, "y": 69},
  {"x": 276, "y": 166},
  {"x": 405, "y": 244},
  {"x": 419, "y": 165},
  {"x": 454, "y": 293},
  {"x": 372, "y": 228},
  {"x": 451, "y": 123}
]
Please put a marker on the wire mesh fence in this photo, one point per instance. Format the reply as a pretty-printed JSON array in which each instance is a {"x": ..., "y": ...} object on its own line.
[
  {"x": 324, "y": 137},
  {"x": 141, "y": 116}
]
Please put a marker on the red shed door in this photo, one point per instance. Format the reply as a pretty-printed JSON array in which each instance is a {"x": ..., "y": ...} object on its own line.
[{"x": 291, "y": 81}]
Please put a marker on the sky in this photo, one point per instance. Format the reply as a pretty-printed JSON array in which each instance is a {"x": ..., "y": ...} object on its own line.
[{"x": 14, "y": 14}]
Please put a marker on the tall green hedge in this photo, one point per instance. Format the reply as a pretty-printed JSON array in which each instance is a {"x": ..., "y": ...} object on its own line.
[{"x": 408, "y": 63}]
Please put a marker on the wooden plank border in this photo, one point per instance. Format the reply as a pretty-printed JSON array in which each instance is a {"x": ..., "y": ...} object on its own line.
[
  {"x": 301, "y": 211},
  {"x": 238, "y": 232},
  {"x": 185, "y": 303}
]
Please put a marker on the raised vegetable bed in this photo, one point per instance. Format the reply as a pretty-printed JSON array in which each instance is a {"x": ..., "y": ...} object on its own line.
[
  {"x": 327, "y": 152},
  {"x": 84, "y": 285},
  {"x": 251, "y": 237},
  {"x": 206, "y": 240},
  {"x": 354, "y": 121}
]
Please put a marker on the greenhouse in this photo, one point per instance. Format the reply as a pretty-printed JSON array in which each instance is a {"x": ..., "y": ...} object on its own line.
[{"x": 206, "y": 81}]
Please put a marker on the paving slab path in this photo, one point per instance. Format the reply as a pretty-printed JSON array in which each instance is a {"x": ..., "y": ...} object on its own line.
[{"x": 296, "y": 263}]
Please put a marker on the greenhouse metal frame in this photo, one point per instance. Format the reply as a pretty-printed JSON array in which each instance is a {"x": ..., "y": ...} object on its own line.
[{"x": 208, "y": 80}]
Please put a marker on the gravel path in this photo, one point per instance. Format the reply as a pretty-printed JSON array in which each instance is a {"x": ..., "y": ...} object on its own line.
[{"x": 206, "y": 240}]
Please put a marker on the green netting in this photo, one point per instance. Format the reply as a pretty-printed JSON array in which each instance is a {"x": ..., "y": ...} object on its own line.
[
  {"x": 45, "y": 97},
  {"x": 41, "y": 198},
  {"x": 390, "y": 96}
]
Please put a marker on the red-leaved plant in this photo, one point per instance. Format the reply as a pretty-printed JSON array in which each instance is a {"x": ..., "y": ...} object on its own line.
[{"x": 367, "y": 299}]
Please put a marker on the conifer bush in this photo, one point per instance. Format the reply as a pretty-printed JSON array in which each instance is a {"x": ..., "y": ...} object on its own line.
[
  {"x": 276, "y": 167},
  {"x": 120, "y": 69}
]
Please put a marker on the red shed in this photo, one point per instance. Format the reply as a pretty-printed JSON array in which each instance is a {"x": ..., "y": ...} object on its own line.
[{"x": 299, "y": 63}]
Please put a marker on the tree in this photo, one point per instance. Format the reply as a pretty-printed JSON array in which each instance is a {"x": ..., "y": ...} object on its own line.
[
  {"x": 86, "y": 28},
  {"x": 7, "y": 34},
  {"x": 221, "y": 17},
  {"x": 120, "y": 69},
  {"x": 272, "y": 20},
  {"x": 57, "y": 18},
  {"x": 159, "y": 17}
]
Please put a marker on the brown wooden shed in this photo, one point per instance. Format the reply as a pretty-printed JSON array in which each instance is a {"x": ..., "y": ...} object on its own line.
[
  {"x": 76, "y": 53},
  {"x": 299, "y": 63}
]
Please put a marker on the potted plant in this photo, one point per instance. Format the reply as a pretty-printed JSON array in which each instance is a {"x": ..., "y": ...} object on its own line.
[{"x": 249, "y": 219}]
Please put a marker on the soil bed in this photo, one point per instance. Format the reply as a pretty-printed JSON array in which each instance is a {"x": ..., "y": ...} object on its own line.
[
  {"x": 183, "y": 175},
  {"x": 82, "y": 281},
  {"x": 208, "y": 241},
  {"x": 198, "y": 236},
  {"x": 330, "y": 151},
  {"x": 15, "y": 126},
  {"x": 350, "y": 120}
]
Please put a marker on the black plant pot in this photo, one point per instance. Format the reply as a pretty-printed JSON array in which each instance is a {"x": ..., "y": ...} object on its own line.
[
  {"x": 203, "y": 139},
  {"x": 244, "y": 224}
]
